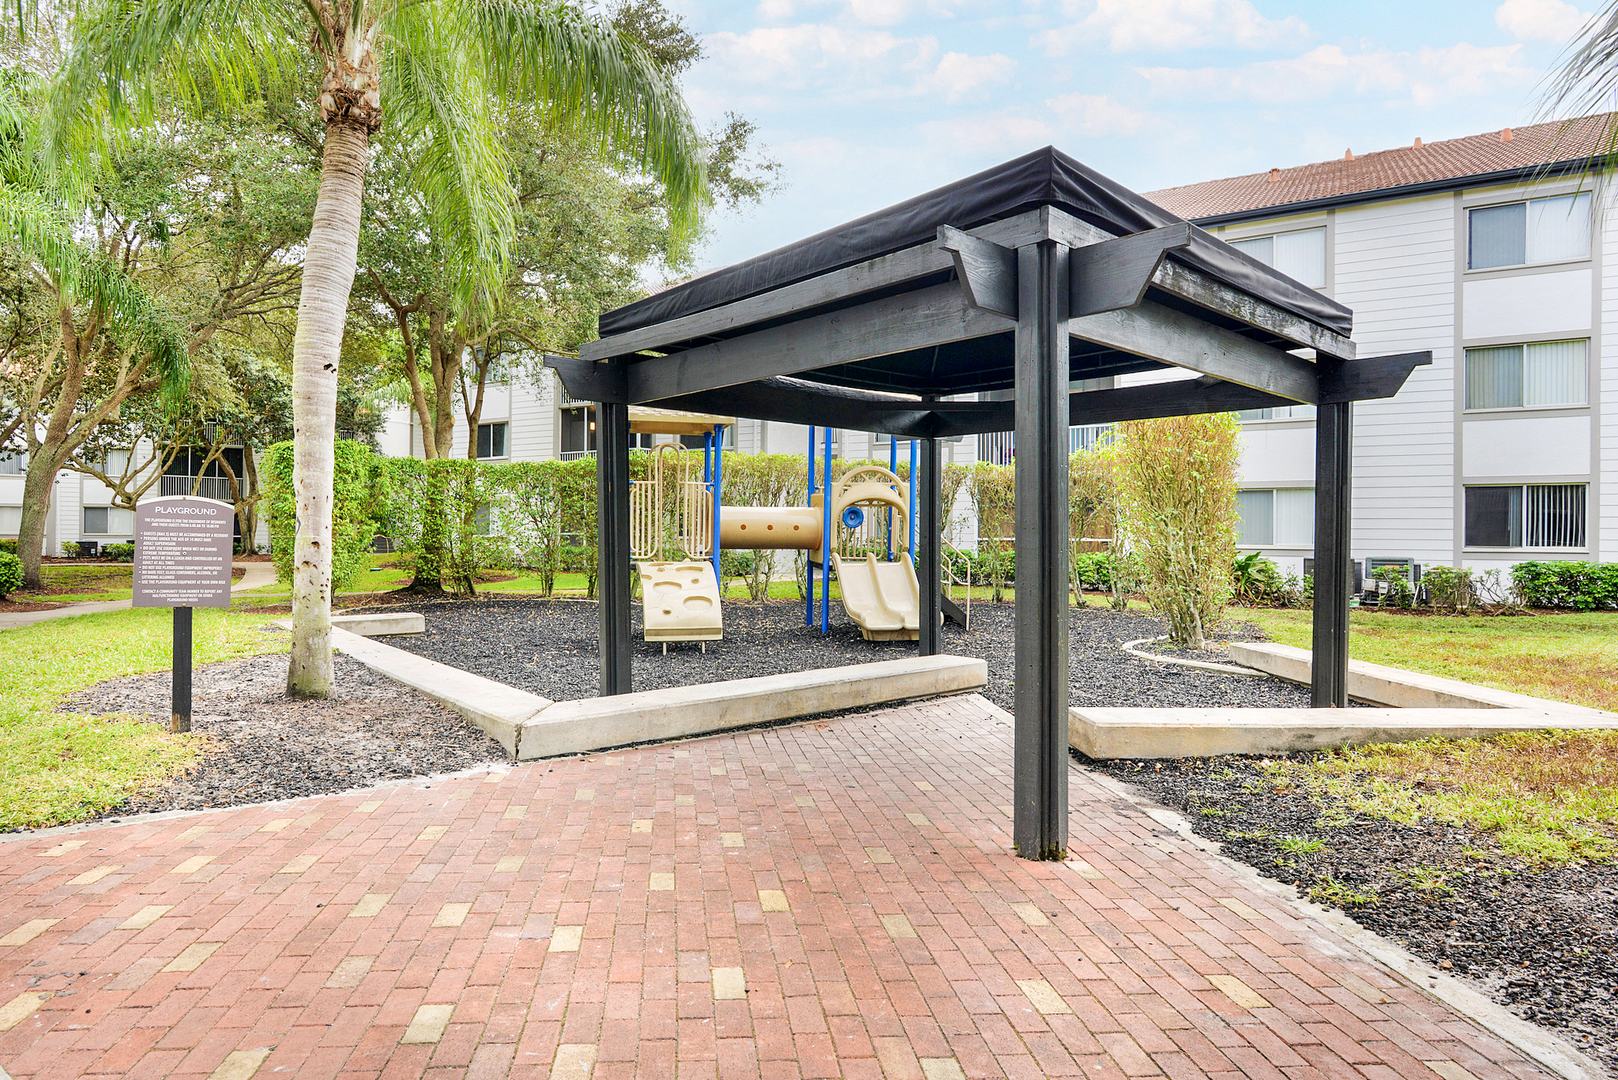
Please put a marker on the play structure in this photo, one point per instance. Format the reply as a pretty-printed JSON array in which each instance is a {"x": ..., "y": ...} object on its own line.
[{"x": 859, "y": 527}]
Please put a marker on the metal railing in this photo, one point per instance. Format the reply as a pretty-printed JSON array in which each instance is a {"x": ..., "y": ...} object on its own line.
[
  {"x": 1000, "y": 447},
  {"x": 209, "y": 487}
]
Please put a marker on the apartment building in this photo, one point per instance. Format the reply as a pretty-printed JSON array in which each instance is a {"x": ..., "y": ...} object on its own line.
[{"x": 1499, "y": 253}]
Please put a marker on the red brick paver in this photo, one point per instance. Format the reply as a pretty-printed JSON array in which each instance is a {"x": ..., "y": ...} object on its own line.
[{"x": 828, "y": 899}]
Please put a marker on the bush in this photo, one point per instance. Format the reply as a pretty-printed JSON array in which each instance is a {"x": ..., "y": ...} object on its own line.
[
  {"x": 10, "y": 574},
  {"x": 1448, "y": 588},
  {"x": 8, "y": 545},
  {"x": 432, "y": 510},
  {"x": 1177, "y": 492},
  {"x": 118, "y": 552},
  {"x": 353, "y": 509},
  {"x": 1399, "y": 593},
  {"x": 1580, "y": 586}
]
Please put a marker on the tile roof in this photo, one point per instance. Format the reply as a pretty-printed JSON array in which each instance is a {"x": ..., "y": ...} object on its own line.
[{"x": 1356, "y": 174}]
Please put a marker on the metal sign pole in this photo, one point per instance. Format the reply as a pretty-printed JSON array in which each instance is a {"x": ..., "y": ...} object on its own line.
[{"x": 180, "y": 699}]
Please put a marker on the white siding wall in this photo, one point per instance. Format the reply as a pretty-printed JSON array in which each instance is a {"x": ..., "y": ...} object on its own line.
[
  {"x": 1606, "y": 416},
  {"x": 1395, "y": 266}
]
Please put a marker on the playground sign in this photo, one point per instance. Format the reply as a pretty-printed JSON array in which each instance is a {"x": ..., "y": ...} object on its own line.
[{"x": 182, "y": 561}]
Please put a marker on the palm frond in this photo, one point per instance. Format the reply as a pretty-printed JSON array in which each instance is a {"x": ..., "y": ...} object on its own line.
[
  {"x": 127, "y": 54},
  {"x": 586, "y": 75},
  {"x": 37, "y": 228},
  {"x": 1587, "y": 80},
  {"x": 439, "y": 107}
]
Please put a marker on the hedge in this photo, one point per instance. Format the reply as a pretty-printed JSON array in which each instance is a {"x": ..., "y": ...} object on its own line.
[
  {"x": 10, "y": 574},
  {"x": 1581, "y": 586},
  {"x": 353, "y": 509}
]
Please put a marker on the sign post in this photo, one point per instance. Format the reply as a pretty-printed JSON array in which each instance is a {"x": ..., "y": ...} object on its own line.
[{"x": 182, "y": 561}]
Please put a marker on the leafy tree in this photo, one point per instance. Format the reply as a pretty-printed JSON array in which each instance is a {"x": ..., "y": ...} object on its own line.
[{"x": 444, "y": 70}]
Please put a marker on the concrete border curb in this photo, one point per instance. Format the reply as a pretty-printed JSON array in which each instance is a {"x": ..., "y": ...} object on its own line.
[
  {"x": 1133, "y": 649},
  {"x": 530, "y": 727}
]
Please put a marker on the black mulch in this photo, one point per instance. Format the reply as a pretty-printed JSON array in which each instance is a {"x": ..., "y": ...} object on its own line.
[
  {"x": 267, "y": 746},
  {"x": 1544, "y": 942},
  {"x": 549, "y": 647}
]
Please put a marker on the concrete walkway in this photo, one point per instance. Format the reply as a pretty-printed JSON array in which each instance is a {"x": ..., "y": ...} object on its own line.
[
  {"x": 255, "y": 576},
  {"x": 833, "y": 898}
]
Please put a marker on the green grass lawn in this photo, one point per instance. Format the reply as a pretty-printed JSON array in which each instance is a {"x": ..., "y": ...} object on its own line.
[
  {"x": 1543, "y": 797},
  {"x": 73, "y": 583},
  {"x": 1572, "y": 657},
  {"x": 57, "y": 767}
]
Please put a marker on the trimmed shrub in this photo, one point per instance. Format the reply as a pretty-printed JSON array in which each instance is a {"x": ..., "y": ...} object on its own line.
[
  {"x": 1448, "y": 588},
  {"x": 353, "y": 509},
  {"x": 119, "y": 552},
  {"x": 1579, "y": 586},
  {"x": 8, "y": 545},
  {"x": 10, "y": 574},
  {"x": 433, "y": 512},
  {"x": 1177, "y": 489}
]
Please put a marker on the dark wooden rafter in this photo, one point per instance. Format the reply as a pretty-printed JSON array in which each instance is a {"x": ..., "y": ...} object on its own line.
[
  {"x": 794, "y": 401},
  {"x": 986, "y": 270},
  {"x": 1114, "y": 274}
]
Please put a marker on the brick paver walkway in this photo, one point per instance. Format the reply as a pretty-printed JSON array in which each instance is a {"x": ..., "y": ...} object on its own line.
[{"x": 827, "y": 899}]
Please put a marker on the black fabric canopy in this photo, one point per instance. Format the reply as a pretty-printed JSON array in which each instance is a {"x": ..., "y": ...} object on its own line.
[{"x": 1045, "y": 177}]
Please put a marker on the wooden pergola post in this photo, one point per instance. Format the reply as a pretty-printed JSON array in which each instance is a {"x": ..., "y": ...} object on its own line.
[
  {"x": 1333, "y": 457},
  {"x": 1041, "y": 374},
  {"x": 612, "y": 575},
  {"x": 930, "y": 553}
]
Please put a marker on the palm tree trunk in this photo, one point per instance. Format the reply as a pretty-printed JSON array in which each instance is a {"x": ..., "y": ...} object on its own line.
[{"x": 328, "y": 275}]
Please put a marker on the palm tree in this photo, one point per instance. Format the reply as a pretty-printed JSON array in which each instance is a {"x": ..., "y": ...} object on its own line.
[{"x": 437, "y": 69}]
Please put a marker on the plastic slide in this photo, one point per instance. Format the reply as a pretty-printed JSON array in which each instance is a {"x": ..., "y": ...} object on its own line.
[
  {"x": 680, "y": 601},
  {"x": 882, "y": 598}
]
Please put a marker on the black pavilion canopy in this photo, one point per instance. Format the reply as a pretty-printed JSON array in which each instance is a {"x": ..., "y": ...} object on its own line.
[{"x": 1045, "y": 181}]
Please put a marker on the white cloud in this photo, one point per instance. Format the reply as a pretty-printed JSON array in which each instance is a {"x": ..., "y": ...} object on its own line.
[
  {"x": 843, "y": 63},
  {"x": 1164, "y": 25},
  {"x": 959, "y": 75},
  {"x": 1057, "y": 121},
  {"x": 1329, "y": 72},
  {"x": 1540, "y": 20}
]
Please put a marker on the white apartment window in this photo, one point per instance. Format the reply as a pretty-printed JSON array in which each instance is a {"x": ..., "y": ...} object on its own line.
[
  {"x": 492, "y": 440},
  {"x": 108, "y": 521},
  {"x": 1554, "y": 229},
  {"x": 13, "y": 464},
  {"x": 10, "y": 520},
  {"x": 1526, "y": 515},
  {"x": 116, "y": 463},
  {"x": 1300, "y": 255},
  {"x": 578, "y": 431},
  {"x": 1523, "y": 376},
  {"x": 1275, "y": 517},
  {"x": 1277, "y": 412}
]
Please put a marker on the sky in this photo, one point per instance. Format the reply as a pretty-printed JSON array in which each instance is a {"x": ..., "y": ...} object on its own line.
[{"x": 867, "y": 102}]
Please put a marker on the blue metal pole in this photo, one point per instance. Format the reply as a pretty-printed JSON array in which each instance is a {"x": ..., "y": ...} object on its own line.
[
  {"x": 893, "y": 467},
  {"x": 809, "y": 557},
  {"x": 717, "y": 482},
  {"x": 911, "y": 521},
  {"x": 825, "y": 538}
]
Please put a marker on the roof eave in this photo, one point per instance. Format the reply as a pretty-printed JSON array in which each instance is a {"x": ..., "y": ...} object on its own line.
[{"x": 1560, "y": 168}]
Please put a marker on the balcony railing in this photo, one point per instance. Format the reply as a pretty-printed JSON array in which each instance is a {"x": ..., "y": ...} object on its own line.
[
  {"x": 209, "y": 487},
  {"x": 1000, "y": 447}
]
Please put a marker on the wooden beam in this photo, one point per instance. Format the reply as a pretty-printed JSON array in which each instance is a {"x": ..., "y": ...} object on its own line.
[
  {"x": 612, "y": 571},
  {"x": 1369, "y": 378},
  {"x": 1143, "y": 402},
  {"x": 1328, "y": 677},
  {"x": 834, "y": 286},
  {"x": 1204, "y": 290},
  {"x": 585, "y": 380},
  {"x": 913, "y": 320},
  {"x": 793, "y": 401},
  {"x": 1114, "y": 274},
  {"x": 986, "y": 270},
  {"x": 1039, "y": 751},
  {"x": 1174, "y": 337}
]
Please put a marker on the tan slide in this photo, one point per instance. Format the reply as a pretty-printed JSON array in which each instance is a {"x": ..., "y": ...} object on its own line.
[
  {"x": 680, "y": 601},
  {"x": 883, "y": 598}
]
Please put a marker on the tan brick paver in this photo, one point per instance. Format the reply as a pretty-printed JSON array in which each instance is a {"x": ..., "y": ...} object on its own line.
[{"x": 872, "y": 924}]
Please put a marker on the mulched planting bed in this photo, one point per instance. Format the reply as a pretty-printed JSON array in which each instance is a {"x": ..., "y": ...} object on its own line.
[
  {"x": 1544, "y": 942},
  {"x": 549, "y": 647},
  {"x": 266, "y": 746}
]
